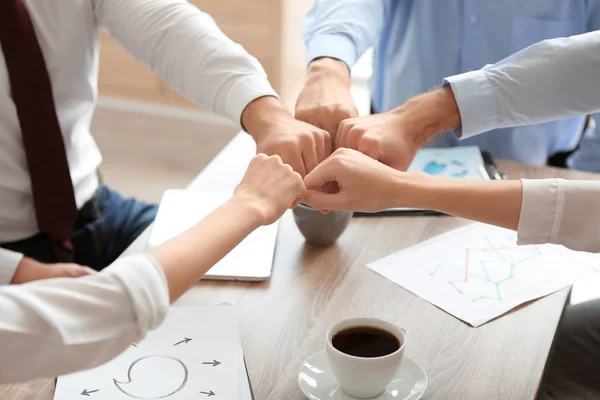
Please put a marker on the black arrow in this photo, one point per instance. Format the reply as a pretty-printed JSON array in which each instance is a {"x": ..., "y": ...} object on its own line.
[
  {"x": 214, "y": 363},
  {"x": 208, "y": 394},
  {"x": 185, "y": 340},
  {"x": 87, "y": 392}
]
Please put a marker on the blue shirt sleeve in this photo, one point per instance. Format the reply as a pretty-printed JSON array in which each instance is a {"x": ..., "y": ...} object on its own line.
[{"x": 343, "y": 29}]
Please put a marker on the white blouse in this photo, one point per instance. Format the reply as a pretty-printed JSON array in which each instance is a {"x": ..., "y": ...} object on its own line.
[
  {"x": 550, "y": 80},
  {"x": 56, "y": 326}
]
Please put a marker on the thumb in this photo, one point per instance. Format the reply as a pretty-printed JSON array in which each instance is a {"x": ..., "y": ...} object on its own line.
[
  {"x": 319, "y": 176},
  {"x": 325, "y": 201}
]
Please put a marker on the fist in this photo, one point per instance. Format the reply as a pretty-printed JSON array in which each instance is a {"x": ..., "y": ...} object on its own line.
[
  {"x": 363, "y": 184},
  {"x": 325, "y": 100},
  {"x": 270, "y": 187},
  {"x": 384, "y": 137}
]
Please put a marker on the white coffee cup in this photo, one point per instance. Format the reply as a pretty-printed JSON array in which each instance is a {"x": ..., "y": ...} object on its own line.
[{"x": 363, "y": 377}]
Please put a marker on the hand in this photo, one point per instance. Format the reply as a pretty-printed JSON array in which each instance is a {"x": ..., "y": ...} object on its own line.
[
  {"x": 276, "y": 131},
  {"x": 364, "y": 184},
  {"x": 395, "y": 136},
  {"x": 325, "y": 100},
  {"x": 30, "y": 270},
  {"x": 270, "y": 187}
]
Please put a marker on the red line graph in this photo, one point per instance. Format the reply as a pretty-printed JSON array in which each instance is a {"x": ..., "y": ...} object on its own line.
[{"x": 468, "y": 257}]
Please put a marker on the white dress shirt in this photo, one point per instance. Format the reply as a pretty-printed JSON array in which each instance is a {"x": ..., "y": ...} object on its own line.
[
  {"x": 56, "y": 326},
  {"x": 180, "y": 43},
  {"x": 553, "y": 79}
]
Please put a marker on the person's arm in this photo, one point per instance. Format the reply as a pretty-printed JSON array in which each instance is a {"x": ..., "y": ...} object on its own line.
[
  {"x": 542, "y": 211},
  {"x": 343, "y": 29},
  {"x": 550, "y": 80},
  {"x": 15, "y": 268},
  {"x": 56, "y": 326},
  {"x": 185, "y": 47},
  {"x": 336, "y": 34}
]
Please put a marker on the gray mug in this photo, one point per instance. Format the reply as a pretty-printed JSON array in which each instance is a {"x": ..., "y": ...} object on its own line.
[{"x": 319, "y": 229}]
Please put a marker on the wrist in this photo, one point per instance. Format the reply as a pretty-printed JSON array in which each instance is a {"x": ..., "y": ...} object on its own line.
[
  {"x": 260, "y": 115},
  {"x": 249, "y": 208},
  {"x": 328, "y": 68},
  {"x": 430, "y": 114},
  {"x": 413, "y": 190}
]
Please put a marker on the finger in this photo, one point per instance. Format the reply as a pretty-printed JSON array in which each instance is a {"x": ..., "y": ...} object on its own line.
[
  {"x": 342, "y": 133},
  {"x": 329, "y": 144},
  {"x": 319, "y": 176},
  {"x": 353, "y": 138},
  {"x": 370, "y": 147},
  {"x": 89, "y": 271},
  {"x": 321, "y": 143},
  {"x": 309, "y": 155},
  {"x": 325, "y": 201},
  {"x": 294, "y": 159}
]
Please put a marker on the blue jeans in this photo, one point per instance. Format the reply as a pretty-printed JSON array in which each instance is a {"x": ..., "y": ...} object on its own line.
[{"x": 100, "y": 240}]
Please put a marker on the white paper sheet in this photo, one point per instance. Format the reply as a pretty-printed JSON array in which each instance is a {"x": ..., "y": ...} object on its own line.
[
  {"x": 194, "y": 354},
  {"x": 477, "y": 273}
]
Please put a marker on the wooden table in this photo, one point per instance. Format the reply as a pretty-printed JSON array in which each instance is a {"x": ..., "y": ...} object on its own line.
[{"x": 283, "y": 320}]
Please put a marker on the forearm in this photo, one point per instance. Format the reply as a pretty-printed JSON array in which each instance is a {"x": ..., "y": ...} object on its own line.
[
  {"x": 547, "y": 81},
  {"x": 492, "y": 202},
  {"x": 186, "y": 258}
]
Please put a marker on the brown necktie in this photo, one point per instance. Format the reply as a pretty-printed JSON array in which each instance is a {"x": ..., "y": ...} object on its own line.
[{"x": 53, "y": 196}]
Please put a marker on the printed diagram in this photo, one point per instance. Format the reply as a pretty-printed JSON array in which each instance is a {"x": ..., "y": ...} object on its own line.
[
  {"x": 154, "y": 377},
  {"x": 452, "y": 169},
  {"x": 138, "y": 388},
  {"x": 485, "y": 270},
  {"x": 478, "y": 272}
]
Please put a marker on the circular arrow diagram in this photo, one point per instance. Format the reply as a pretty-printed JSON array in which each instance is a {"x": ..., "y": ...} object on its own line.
[{"x": 121, "y": 385}]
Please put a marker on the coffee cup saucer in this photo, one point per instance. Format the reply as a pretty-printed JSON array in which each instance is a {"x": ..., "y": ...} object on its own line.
[{"x": 318, "y": 383}]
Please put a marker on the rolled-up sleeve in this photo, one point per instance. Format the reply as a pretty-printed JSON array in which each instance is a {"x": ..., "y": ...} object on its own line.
[
  {"x": 561, "y": 212},
  {"x": 57, "y": 326},
  {"x": 550, "y": 80},
  {"x": 343, "y": 29}
]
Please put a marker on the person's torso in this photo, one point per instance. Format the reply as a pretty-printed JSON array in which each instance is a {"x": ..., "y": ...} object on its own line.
[
  {"x": 424, "y": 41},
  {"x": 66, "y": 31}
]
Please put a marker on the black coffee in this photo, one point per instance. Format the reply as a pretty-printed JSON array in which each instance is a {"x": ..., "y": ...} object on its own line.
[{"x": 365, "y": 341}]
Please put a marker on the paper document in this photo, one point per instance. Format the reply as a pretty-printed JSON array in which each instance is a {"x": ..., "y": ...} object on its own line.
[
  {"x": 195, "y": 354},
  {"x": 452, "y": 162},
  {"x": 477, "y": 273}
]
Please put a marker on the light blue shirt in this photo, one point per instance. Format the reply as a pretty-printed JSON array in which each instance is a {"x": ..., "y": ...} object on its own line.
[{"x": 419, "y": 42}]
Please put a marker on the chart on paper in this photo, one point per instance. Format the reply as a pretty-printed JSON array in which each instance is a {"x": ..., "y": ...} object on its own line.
[
  {"x": 478, "y": 272},
  {"x": 195, "y": 354},
  {"x": 455, "y": 162}
]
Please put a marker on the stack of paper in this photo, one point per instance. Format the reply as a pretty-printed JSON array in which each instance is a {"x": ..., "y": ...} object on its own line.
[{"x": 196, "y": 353}]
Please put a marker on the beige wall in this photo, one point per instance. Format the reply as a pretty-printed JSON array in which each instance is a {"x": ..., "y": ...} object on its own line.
[{"x": 268, "y": 29}]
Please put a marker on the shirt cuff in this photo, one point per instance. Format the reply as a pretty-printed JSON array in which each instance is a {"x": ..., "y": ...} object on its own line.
[
  {"x": 146, "y": 284},
  {"x": 332, "y": 46},
  {"x": 9, "y": 261},
  {"x": 538, "y": 221},
  {"x": 476, "y": 102},
  {"x": 243, "y": 93}
]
